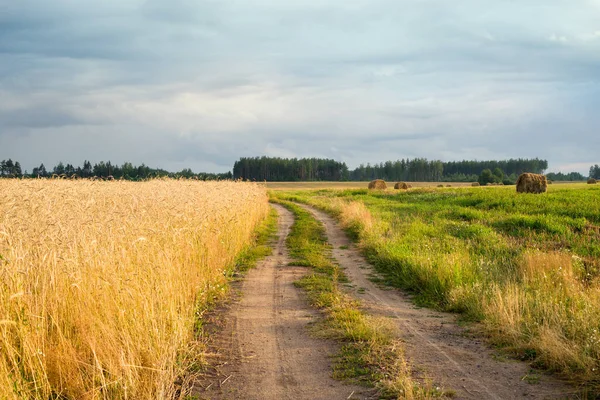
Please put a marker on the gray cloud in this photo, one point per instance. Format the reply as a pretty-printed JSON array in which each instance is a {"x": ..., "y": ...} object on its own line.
[{"x": 201, "y": 83}]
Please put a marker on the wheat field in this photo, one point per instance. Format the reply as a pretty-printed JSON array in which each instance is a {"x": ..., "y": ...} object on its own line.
[{"x": 102, "y": 283}]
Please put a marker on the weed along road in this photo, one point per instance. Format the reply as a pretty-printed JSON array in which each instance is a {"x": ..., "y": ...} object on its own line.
[
  {"x": 266, "y": 349},
  {"x": 437, "y": 349}
]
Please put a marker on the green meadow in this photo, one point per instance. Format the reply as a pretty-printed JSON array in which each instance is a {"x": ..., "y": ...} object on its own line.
[{"x": 526, "y": 266}]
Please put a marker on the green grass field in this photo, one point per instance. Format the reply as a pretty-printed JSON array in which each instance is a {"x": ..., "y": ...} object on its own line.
[
  {"x": 361, "y": 185},
  {"x": 526, "y": 266},
  {"x": 349, "y": 185}
]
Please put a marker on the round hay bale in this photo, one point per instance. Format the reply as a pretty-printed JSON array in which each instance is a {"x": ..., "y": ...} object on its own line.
[
  {"x": 592, "y": 181},
  {"x": 531, "y": 183},
  {"x": 440, "y": 185},
  {"x": 475, "y": 184},
  {"x": 549, "y": 181},
  {"x": 377, "y": 184},
  {"x": 401, "y": 185},
  {"x": 448, "y": 185}
]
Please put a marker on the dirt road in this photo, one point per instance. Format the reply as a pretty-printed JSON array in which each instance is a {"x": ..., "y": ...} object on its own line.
[
  {"x": 265, "y": 350},
  {"x": 435, "y": 346}
]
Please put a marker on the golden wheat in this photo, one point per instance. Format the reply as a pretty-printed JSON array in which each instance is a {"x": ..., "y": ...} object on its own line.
[{"x": 101, "y": 281}]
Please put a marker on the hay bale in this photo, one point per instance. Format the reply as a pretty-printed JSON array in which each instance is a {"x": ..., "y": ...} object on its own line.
[
  {"x": 448, "y": 185},
  {"x": 531, "y": 183},
  {"x": 592, "y": 181},
  {"x": 475, "y": 184},
  {"x": 401, "y": 185},
  {"x": 377, "y": 184},
  {"x": 440, "y": 185}
]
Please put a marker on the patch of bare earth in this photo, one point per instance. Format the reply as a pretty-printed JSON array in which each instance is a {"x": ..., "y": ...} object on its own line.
[
  {"x": 263, "y": 349},
  {"x": 436, "y": 347}
]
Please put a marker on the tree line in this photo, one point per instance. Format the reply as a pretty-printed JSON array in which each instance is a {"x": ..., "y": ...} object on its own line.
[
  {"x": 314, "y": 169},
  {"x": 104, "y": 170},
  {"x": 414, "y": 170},
  {"x": 571, "y": 176},
  {"x": 417, "y": 169},
  {"x": 8, "y": 168},
  {"x": 423, "y": 170},
  {"x": 289, "y": 169}
]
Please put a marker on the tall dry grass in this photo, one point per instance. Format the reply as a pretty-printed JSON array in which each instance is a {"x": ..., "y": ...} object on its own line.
[
  {"x": 100, "y": 281},
  {"x": 551, "y": 311}
]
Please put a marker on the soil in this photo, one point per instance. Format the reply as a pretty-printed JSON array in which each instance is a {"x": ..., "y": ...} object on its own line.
[
  {"x": 437, "y": 348},
  {"x": 264, "y": 350}
]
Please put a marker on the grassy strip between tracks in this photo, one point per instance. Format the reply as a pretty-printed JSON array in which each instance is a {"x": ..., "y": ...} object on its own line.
[{"x": 370, "y": 353}]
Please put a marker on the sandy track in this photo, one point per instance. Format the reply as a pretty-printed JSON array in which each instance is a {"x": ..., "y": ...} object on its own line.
[
  {"x": 264, "y": 350},
  {"x": 435, "y": 346}
]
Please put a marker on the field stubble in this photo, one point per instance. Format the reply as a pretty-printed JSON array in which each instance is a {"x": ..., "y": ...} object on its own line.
[{"x": 102, "y": 283}]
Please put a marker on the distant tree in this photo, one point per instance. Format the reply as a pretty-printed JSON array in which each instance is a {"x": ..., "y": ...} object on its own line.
[
  {"x": 595, "y": 171},
  {"x": 70, "y": 170},
  {"x": 185, "y": 173},
  {"x": 128, "y": 170},
  {"x": 86, "y": 171},
  {"x": 510, "y": 179},
  {"x": 17, "y": 169},
  {"x": 498, "y": 174},
  {"x": 59, "y": 169},
  {"x": 39, "y": 171},
  {"x": 10, "y": 167},
  {"x": 486, "y": 177}
]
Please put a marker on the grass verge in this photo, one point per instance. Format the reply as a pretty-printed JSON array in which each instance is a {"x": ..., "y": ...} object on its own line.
[
  {"x": 370, "y": 353},
  {"x": 260, "y": 248}
]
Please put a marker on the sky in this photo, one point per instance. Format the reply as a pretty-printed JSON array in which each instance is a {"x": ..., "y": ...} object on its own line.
[{"x": 197, "y": 84}]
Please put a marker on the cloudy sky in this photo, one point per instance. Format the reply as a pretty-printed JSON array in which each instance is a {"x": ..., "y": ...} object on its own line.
[{"x": 193, "y": 83}]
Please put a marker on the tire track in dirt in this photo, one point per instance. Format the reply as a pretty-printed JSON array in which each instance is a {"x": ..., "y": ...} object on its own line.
[
  {"x": 264, "y": 350},
  {"x": 436, "y": 347}
]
